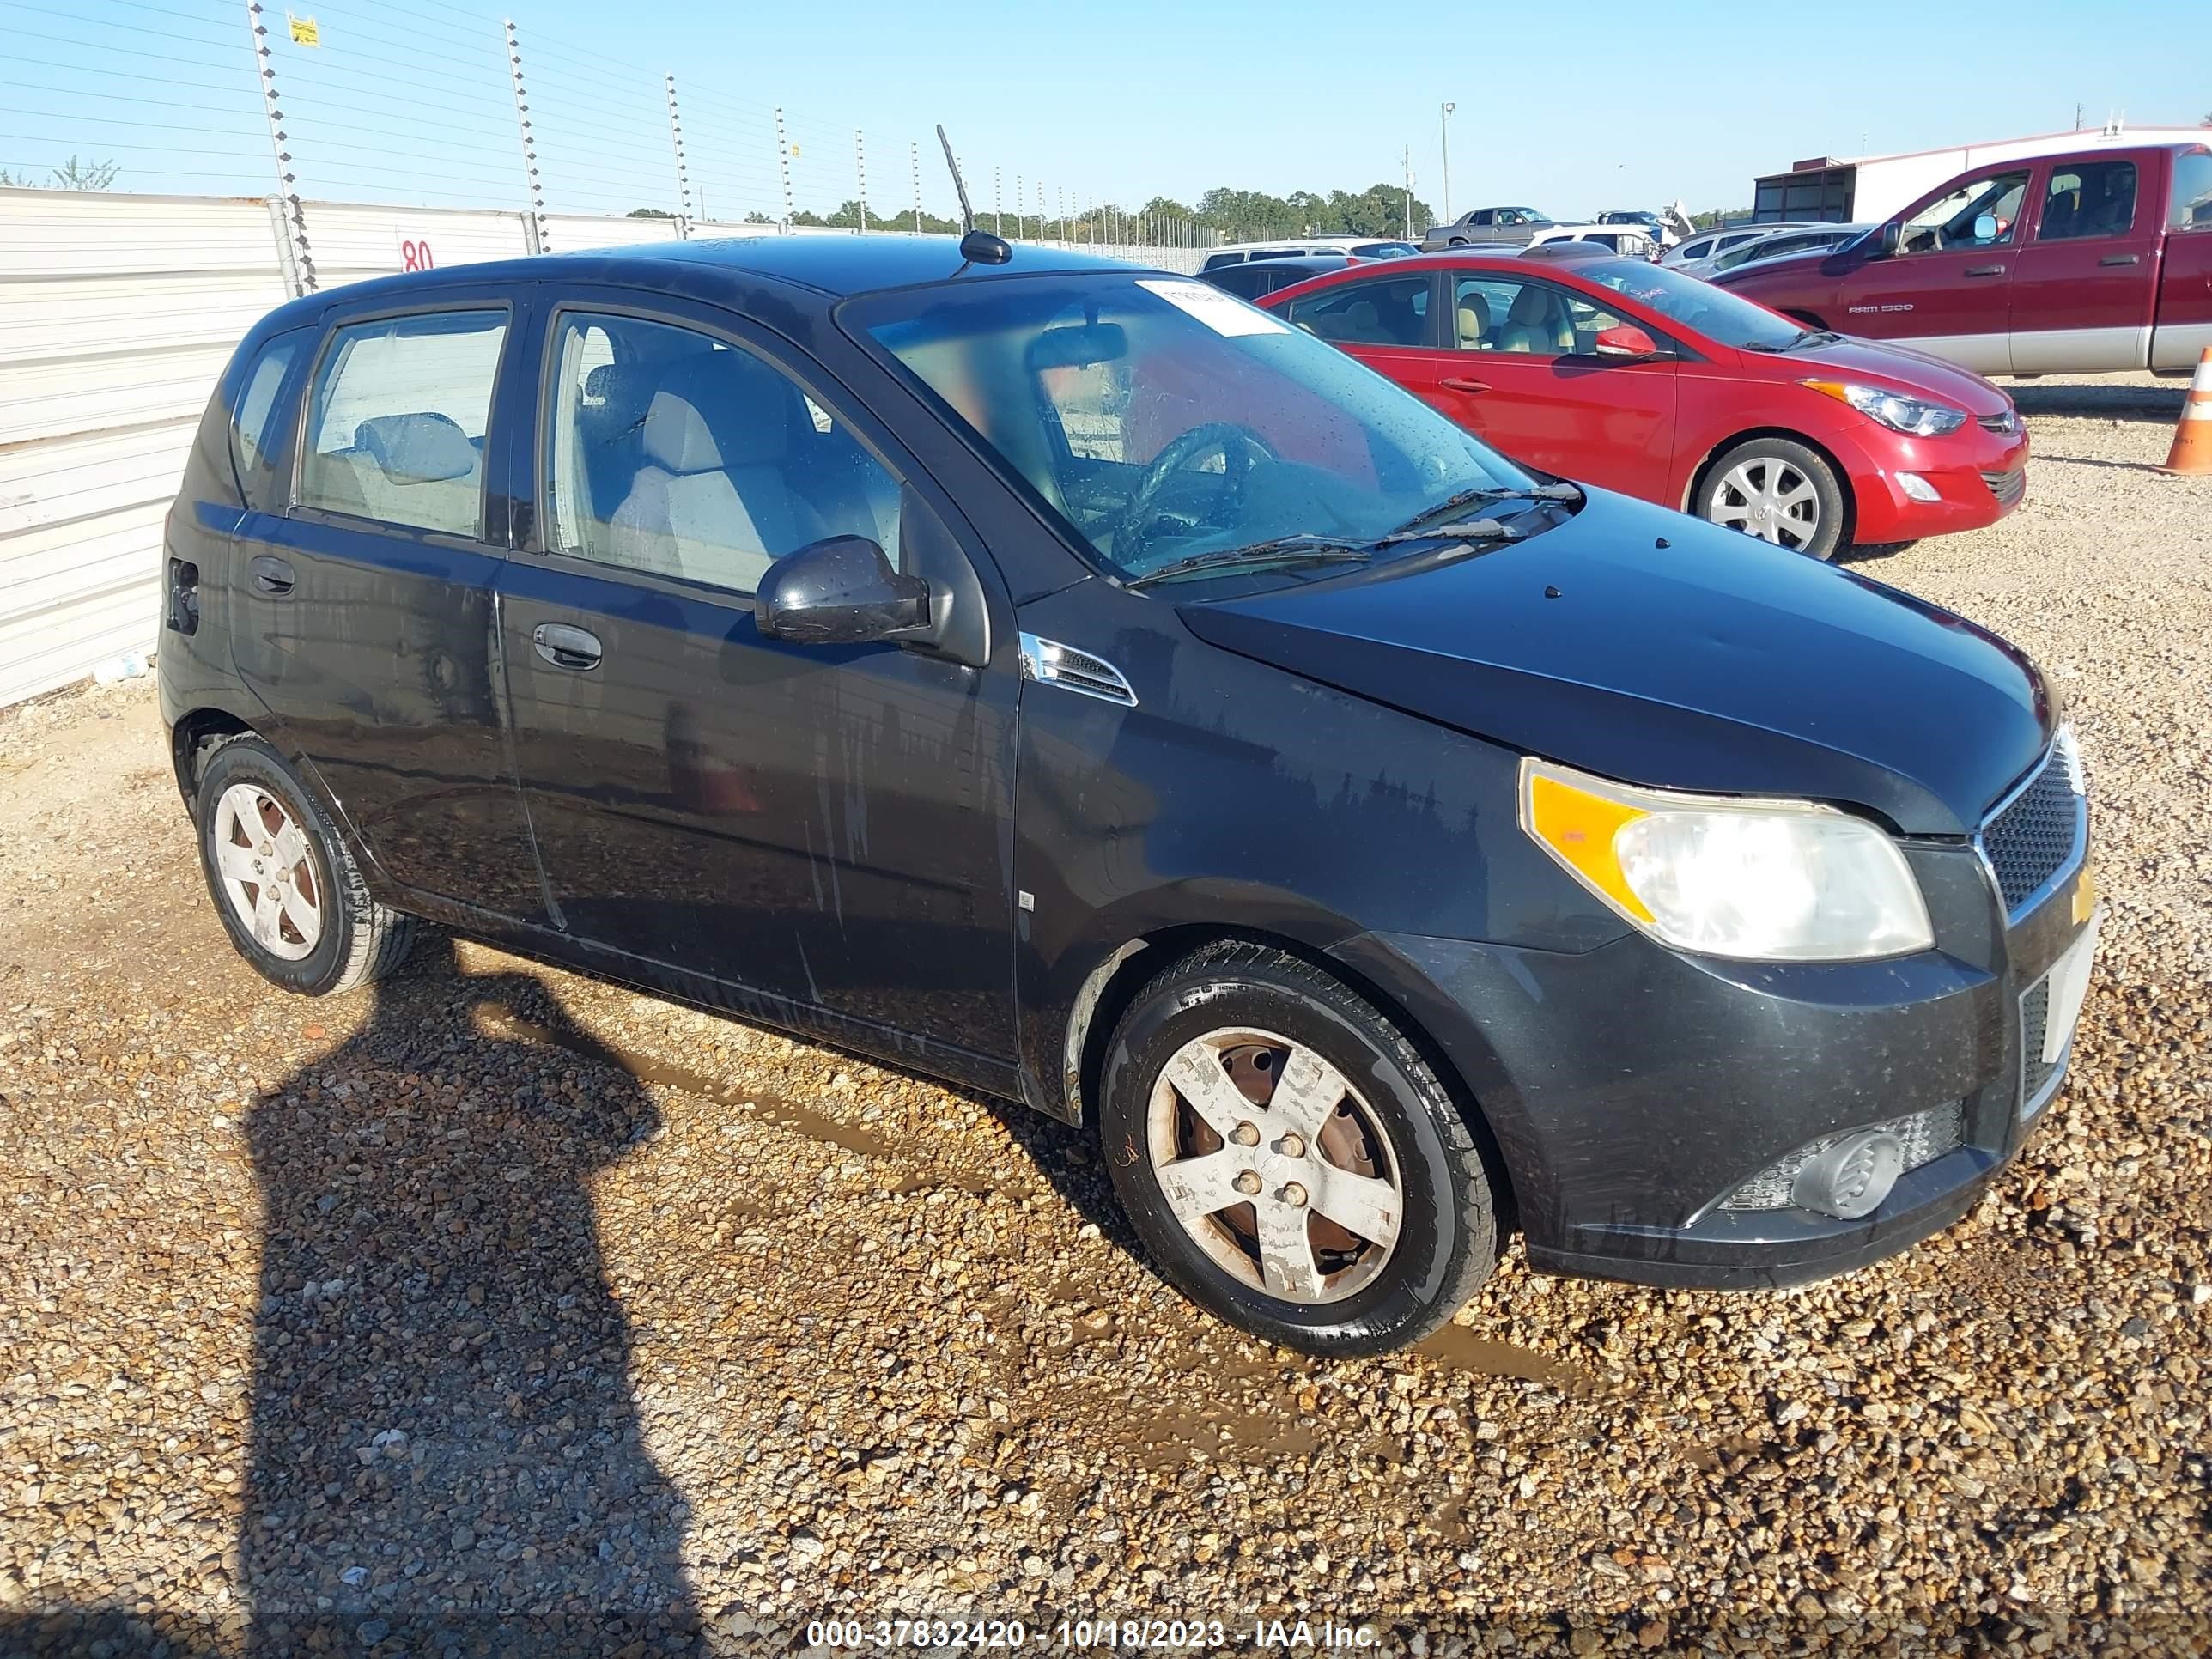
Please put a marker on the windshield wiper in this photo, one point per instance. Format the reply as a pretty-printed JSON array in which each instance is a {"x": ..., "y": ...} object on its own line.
[
  {"x": 1279, "y": 549},
  {"x": 1562, "y": 491},
  {"x": 1468, "y": 530},
  {"x": 1803, "y": 336}
]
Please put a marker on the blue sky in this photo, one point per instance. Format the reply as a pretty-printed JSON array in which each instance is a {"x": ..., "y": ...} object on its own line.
[{"x": 1568, "y": 108}]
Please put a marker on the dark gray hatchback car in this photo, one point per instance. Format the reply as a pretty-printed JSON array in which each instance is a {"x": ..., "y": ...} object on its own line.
[{"x": 1070, "y": 681}]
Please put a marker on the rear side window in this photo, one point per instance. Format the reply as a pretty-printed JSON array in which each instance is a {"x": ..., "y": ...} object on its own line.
[
  {"x": 397, "y": 418},
  {"x": 256, "y": 409},
  {"x": 2192, "y": 207},
  {"x": 1392, "y": 311},
  {"x": 2088, "y": 199}
]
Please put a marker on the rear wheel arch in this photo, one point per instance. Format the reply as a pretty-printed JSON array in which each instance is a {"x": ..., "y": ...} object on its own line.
[
  {"x": 1123, "y": 972},
  {"x": 194, "y": 739},
  {"x": 1711, "y": 459}
]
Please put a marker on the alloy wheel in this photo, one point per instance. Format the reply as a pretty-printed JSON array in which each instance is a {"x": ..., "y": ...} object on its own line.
[
  {"x": 268, "y": 871},
  {"x": 1765, "y": 496},
  {"x": 1274, "y": 1165}
]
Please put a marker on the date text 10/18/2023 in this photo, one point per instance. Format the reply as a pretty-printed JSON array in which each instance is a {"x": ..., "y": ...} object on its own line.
[{"x": 1090, "y": 1635}]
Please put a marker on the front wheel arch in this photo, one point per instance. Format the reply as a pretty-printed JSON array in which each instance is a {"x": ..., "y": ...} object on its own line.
[{"x": 1698, "y": 474}]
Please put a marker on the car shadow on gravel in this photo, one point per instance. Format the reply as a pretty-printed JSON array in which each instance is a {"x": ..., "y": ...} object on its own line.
[{"x": 445, "y": 1452}]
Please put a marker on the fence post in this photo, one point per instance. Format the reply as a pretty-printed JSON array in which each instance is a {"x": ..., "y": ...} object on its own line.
[
  {"x": 534, "y": 222},
  {"x": 914, "y": 157},
  {"x": 683, "y": 174},
  {"x": 783, "y": 165},
  {"x": 292, "y": 221},
  {"x": 998, "y": 219},
  {"x": 860, "y": 165}
]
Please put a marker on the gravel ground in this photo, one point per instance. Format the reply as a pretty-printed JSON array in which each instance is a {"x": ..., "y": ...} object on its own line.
[{"x": 501, "y": 1310}]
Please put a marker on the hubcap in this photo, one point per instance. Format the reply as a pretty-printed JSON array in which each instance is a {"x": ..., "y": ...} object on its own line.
[
  {"x": 1770, "y": 499},
  {"x": 1308, "y": 1208},
  {"x": 267, "y": 873}
]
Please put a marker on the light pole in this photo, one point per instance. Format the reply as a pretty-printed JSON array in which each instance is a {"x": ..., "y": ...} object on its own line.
[{"x": 1443, "y": 137}]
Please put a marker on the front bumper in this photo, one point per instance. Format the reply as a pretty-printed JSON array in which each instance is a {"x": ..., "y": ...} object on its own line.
[
  {"x": 1633, "y": 1090},
  {"x": 1977, "y": 476}
]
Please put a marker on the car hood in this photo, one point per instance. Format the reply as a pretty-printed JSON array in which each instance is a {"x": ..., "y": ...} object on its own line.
[
  {"x": 1902, "y": 369},
  {"x": 1658, "y": 649}
]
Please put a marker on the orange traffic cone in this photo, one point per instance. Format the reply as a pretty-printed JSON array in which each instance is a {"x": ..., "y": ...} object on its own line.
[{"x": 2192, "y": 438}]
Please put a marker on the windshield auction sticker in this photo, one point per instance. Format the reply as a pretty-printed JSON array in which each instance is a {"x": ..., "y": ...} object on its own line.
[{"x": 1222, "y": 312}]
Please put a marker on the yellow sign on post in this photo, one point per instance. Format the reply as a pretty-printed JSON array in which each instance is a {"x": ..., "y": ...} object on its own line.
[{"x": 305, "y": 31}]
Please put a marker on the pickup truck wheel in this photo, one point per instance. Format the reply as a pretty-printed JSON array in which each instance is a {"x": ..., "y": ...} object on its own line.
[
  {"x": 1290, "y": 1160},
  {"x": 1779, "y": 491},
  {"x": 283, "y": 880}
]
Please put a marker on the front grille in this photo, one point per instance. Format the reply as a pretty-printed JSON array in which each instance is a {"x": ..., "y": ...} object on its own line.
[
  {"x": 2035, "y": 834},
  {"x": 2034, "y": 1069},
  {"x": 2007, "y": 487},
  {"x": 2004, "y": 425},
  {"x": 1921, "y": 1138}
]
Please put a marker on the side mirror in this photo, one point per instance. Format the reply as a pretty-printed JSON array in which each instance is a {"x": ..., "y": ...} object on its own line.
[
  {"x": 1626, "y": 341},
  {"x": 1892, "y": 238},
  {"x": 840, "y": 590},
  {"x": 1986, "y": 226}
]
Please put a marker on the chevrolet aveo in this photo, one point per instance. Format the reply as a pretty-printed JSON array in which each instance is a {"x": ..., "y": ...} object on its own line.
[{"x": 1071, "y": 683}]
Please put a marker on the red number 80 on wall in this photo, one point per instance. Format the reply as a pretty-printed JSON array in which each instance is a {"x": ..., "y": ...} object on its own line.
[{"x": 416, "y": 255}]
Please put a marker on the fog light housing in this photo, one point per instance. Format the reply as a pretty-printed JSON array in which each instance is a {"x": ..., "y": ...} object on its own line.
[
  {"x": 1850, "y": 1178},
  {"x": 1919, "y": 1139},
  {"x": 1918, "y": 487}
]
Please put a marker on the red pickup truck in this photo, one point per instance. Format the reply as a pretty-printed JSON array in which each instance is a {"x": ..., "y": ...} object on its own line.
[{"x": 2050, "y": 264}]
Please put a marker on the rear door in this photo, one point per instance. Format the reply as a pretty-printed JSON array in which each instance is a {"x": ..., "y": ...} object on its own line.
[
  {"x": 1524, "y": 375},
  {"x": 362, "y": 615},
  {"x": 2087, "y": 277},
  {"x": 2185, "y": 298},
  {"x": 1948, "y": 290},
  {"x": 824, "y": 825},
  {"x": 1389, "y": 323}
]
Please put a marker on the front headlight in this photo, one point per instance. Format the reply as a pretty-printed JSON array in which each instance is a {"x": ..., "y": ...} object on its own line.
[
  {"x": 1914, "y": 417},
  {"x": 1757, "y": 880}
]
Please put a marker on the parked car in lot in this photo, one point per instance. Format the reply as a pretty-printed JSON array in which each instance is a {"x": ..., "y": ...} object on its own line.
[
  {"x": 1623, "y": 374},
  {"x": 1653, "y": 225},
  {"x": 1306, "y": 247},
  {"x": 1693, "y": 252},
  {"x": 1254, "y": 279},
  {"x": 1489, "y": 224},
  {"x": 1776, "y": 245},
  {"x": 2056, "y": 265},
  {"x": 1069, "y": 682}
]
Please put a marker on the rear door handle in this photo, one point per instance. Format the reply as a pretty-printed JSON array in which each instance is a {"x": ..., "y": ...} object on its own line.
[
  {"x": 565, "y": 646},
  {"x": 1984, "y": 270},
  {"x": 1454, "y": 383},
  {"x": 270, "y": 575},
  {"x": 2121, "y": 259}
]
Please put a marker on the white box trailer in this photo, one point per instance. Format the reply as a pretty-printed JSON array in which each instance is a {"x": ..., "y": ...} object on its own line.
[{"x": 1867, "y": 189}]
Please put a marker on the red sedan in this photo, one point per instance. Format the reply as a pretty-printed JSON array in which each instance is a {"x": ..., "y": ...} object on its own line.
[{"x": 1633, "y": 377}]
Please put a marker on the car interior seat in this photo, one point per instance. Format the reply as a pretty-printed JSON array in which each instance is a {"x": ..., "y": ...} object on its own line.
[
  {"x": 1473, "y": 322},
  {"x": 1536, "y": 322},
  {"x": 713, "y": 500},
  {"x": 416, "y": 469}
]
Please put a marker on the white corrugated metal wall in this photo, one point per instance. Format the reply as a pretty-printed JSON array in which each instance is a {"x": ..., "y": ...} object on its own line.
[{"x": 117, "y": 313}]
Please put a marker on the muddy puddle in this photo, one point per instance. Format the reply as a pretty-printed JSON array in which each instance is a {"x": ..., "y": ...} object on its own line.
[
  {"x": 785, "y": 1114},
  {"x": 1462, "y": 1348}
]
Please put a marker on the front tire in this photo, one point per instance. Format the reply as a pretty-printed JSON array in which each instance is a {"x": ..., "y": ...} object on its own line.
[
  {"x": 1779, "y": 491},
  {"x": 283, "y": 880},
  {"x": 1290, "y": 1160}
]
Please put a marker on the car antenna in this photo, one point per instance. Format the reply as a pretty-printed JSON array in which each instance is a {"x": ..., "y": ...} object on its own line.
[{"x": 978, "y": 246}]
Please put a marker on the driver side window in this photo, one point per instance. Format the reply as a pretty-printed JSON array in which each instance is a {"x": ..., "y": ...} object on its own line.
[
  {"x": 1493, "y": 314},
  {"x": 1983, "y": 212}
]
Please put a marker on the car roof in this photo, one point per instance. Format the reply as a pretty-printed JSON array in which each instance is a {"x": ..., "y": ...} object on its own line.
[
  {"x": 835, "y": 266},
  {"x": 1508, "y": 261}
]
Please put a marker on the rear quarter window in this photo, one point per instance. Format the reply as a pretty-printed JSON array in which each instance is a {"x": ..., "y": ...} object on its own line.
[
  {"x": 2191, "y": 207},
  {"x": 254, "y": 416}
]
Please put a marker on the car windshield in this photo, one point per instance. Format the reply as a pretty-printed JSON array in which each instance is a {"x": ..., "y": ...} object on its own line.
[
  {"x": 1697, "y": 306},
  {"x": 1164, "y": 420}
]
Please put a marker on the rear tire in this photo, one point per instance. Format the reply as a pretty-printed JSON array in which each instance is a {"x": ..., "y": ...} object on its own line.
[
  {"x": 1779, "y": 491},
  {"x": 1290, "y": 1161},
  {"x": 282, "y": 878}
]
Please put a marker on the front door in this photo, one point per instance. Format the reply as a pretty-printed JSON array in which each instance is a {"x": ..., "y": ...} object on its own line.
[
  {"x": 2081, "y": 294},
  {"x": 1525, "y": 375},
  {"x": 362, "y": 617},
  {"x": 825, "y": 825},
  {"x": 1948, "y": 289}
]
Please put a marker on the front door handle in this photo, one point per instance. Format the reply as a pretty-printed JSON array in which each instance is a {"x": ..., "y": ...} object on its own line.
[
  {"x": 1454, "y": 383},
  {"x": 565, "y": 646},
  {"x": 2121, "y": 259},
  {"x": 270, "y": 575},
  {"x": 1984, "y": 270}
]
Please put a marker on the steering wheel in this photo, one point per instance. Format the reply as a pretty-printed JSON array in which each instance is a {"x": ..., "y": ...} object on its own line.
[{"x": 1240, "y": 446}]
